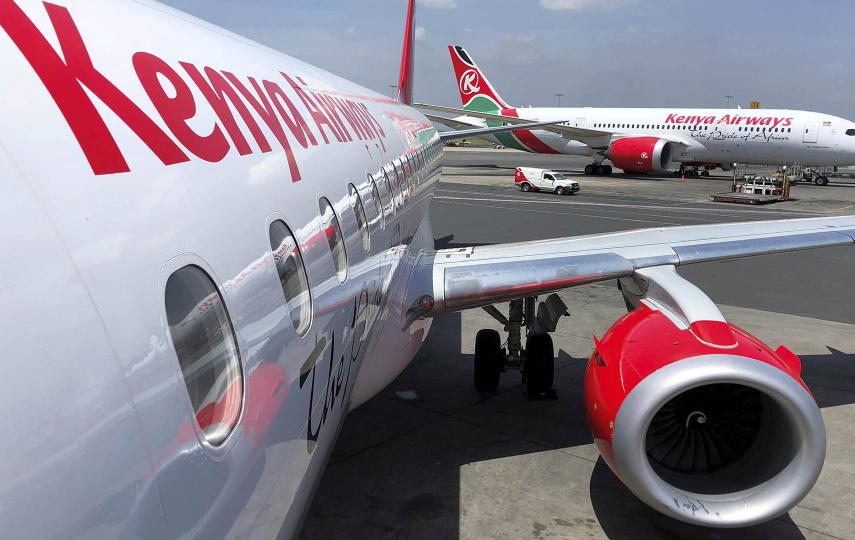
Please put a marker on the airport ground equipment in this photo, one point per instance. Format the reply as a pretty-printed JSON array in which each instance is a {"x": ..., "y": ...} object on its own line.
[
  {"x": 531, "y": 179},
  {"x": 813, "y": 175}
]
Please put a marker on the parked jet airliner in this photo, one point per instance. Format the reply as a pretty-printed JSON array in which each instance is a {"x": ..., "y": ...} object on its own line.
[
  {"x": 211, "y": 252},
  {"x": 650, "y": 140}
]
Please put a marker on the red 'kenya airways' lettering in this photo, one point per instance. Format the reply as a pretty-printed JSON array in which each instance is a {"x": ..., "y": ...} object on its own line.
[
  {"x": 771, "y": 121},
  {"x": 68, "y": 79}
]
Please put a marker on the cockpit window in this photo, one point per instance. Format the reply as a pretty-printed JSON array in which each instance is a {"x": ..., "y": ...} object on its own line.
[
  {"x": 207, "y": 351},
  {"x": 331, "y": 230},
  {"x": 850, "y": 132},
  {"x": 292, "y": 275}
]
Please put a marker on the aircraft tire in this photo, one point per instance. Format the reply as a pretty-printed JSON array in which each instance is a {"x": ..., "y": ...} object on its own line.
[
  {"x": 488, "y": 360},
  {"x": 539, "y": 364}
]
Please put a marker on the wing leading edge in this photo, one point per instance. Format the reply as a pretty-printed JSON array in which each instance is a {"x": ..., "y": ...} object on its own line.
[
  {"x": 454, "y": 279},
  {"x": 476, "y": 131}
]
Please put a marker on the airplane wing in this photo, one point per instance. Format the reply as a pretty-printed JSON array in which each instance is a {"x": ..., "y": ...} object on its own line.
[
  {"x": 451, "y": 122},
  {"x": 481, "y": 130},
  {"x": 581, "y": 134},
  {"x": 456, "y": 279},
  {"x": 555, "y": 127}
]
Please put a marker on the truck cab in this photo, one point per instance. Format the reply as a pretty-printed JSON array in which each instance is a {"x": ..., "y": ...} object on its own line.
[{"x": 531, "y": 179}]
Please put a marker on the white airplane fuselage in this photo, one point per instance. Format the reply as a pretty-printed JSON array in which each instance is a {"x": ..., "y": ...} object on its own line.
[
  {"x": 118, "y": 172},
  {"x": 751, "y": 136}
]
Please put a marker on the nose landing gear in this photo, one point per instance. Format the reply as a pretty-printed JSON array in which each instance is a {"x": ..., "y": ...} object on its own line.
[{"x": 536, "y": 362}]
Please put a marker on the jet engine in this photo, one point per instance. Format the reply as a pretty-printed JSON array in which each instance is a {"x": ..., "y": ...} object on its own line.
[
  {"x": 641, "y": 154},
  {"x": 699, "y": 419}
]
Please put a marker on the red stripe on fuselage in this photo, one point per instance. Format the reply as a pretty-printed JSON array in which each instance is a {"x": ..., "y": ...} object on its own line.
[{"x": 528, "y": 138}]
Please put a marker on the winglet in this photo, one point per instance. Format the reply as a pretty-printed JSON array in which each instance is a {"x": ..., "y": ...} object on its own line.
[{"x": 405, "y": 78}]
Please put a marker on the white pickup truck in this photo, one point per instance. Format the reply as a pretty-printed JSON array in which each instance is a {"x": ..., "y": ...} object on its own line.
[{"x": 529, "y": 179}]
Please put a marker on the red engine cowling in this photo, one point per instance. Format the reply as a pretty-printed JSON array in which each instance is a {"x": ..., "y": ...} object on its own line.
[
  {"x": 641, "y": 154},
  {"x": 723, "y": 436}
]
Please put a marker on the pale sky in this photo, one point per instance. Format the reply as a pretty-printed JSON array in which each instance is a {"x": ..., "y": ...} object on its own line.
[{"x": 606, "y": 53}]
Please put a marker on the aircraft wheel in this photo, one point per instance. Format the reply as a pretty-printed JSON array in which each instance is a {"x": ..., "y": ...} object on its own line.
[
  {"x": 599, "y": 170},
  {"x": 607, "y": 170},
  {"x": 525, "y": 187},
  {"x": 539, "y": 365},
  {"x": 488, "y": 360},
  {"x": 559, "y": 190},
  {"x": 589, "y": 170}
]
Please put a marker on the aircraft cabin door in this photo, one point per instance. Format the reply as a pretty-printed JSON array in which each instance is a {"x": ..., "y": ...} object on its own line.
[
  {"x": 811, "y": 132},
  {"x": 580, "y": 122}
]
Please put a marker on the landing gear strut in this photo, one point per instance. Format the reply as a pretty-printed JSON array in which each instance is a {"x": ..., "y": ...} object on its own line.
[
  {"x": 536, "y": 362},
  {"x": 598, "y": 169}
]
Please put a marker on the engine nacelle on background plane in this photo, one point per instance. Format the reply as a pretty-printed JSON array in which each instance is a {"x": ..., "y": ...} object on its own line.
[
  {"x": 641, "y": 154},
  {"x": 722, "y": 433}
]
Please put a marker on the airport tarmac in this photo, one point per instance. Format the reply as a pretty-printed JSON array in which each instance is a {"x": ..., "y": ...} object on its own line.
[{"x": 430, "y": 457}]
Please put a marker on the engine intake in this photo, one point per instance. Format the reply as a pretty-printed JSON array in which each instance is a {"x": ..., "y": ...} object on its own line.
[{"x": 721, "y": 437}]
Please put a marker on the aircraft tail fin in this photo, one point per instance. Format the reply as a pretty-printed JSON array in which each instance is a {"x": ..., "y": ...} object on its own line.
[
  {"x": 476, "y": 92},
  {"x": 405, "y": 78}
]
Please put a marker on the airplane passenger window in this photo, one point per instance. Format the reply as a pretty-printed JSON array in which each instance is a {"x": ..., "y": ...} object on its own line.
[
  {"x": 378, "y": 202},
  {"x": 292, "y": 275},
  {"x": 850, "y": 132},
  {"x": 389, "y": 188},
  {"x": 331, "y": 230},
  {"x": 361, "y": 218},
  {"x": 417, "y": 163},
  {"x": 414, "y": 170},
  {"x": 400, "y": 171},
  {"x": 207, "y": 351}
]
